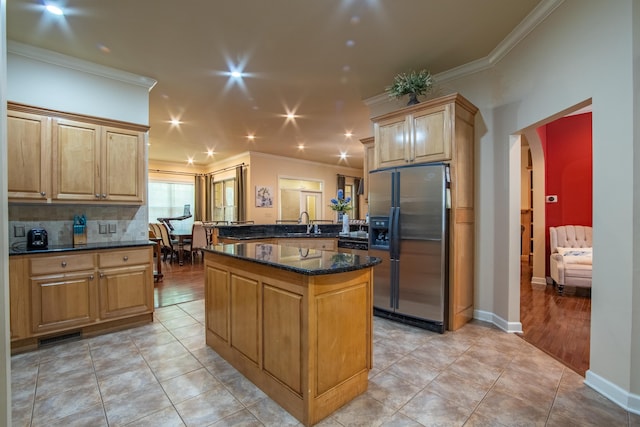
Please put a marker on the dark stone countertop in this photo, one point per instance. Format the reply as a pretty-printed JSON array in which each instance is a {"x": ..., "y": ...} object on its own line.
[
  {"x": 21, "y": 249},
  {"x": 297, "y": 259}
]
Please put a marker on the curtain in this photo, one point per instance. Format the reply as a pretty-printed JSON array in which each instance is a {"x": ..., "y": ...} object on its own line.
[
  {"x": 208, "y": 200},
  {"x": 240, "y": 193},
  {"x": 356, "y": 197},
  {"x": 341, "y": 183},
  {"x": 199, "y": 190}
]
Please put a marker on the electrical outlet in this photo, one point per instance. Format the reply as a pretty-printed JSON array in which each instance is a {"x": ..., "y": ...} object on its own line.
[
  {"x": 112, "y": 228},
  {"x": 102, "y": 228},
  {"x": 18, "y": 230}
]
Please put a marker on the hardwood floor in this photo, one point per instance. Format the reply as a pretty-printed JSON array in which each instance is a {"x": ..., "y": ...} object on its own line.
[
  {"x": 180, "y": 283},
  {"x": 558, "y": 325}
]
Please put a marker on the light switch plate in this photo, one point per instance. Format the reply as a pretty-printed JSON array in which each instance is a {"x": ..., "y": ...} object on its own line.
[
  {"x": 18, "y": 230},
  {"x": 102, "y": 228},
  {"x": 112, "y": 228}
]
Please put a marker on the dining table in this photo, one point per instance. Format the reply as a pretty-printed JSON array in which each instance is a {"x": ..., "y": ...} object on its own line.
[{"x": 183, "y": 235}]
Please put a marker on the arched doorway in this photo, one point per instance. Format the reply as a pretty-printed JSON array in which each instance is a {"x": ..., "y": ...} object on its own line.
[{"x": 558, "y": 325}]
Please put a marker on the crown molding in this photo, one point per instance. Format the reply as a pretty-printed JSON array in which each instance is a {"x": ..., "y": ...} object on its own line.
[
  {"x": 528, "y": 24},
  {"x": 70, "y": 62}
]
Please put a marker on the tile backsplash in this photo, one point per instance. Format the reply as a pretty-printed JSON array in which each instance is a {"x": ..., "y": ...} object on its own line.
[{"x": 119, "y": 223}]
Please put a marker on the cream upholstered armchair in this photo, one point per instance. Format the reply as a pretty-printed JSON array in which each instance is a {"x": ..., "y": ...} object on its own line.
[{"x": 571, "y": 256}]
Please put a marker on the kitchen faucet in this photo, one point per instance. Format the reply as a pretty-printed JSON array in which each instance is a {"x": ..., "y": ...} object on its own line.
[{"x": 309, "y": 225}]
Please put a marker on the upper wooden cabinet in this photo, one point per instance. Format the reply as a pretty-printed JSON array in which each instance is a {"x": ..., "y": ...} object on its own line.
[
  {"x": 369, "y": 162},
  {"x": 28, "y": 155},
  {"x": 59, "y": 157},
  {"x": 420, "y": 134}
]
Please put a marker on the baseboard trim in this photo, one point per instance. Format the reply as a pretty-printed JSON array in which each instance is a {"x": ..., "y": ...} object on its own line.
[
  {"x": 487, "y": 316},
  {"x": 619, "y": 396},
  {"x": 539, "y": 281}
]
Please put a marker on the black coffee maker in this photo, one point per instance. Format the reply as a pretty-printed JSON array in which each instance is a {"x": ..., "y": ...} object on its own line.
[{"x": 37, "y": 239}]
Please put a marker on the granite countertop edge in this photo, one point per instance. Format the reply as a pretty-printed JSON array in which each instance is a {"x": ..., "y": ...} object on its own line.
[
  {"x": 371, "y": 262},
  {"x": 88, "y": 247}
]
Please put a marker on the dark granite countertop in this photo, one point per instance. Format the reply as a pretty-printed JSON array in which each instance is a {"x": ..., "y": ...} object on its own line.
[
  {"x": 298, "y": 259},
  {"x": 21, "y": 248}
]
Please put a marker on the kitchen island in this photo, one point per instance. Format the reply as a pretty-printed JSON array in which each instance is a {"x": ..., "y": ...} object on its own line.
[{"x": 294, "y": 320}]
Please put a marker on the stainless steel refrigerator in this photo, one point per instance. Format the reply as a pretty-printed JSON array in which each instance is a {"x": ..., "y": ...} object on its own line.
[{"x": 408, "y": 230}]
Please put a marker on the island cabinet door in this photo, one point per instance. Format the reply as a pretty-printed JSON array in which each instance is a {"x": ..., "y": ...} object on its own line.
[
  {"x": 245, "y": 298},
  {"x": 63, "y": 301},
  {"x": 217, "y": 302},
  {"x": 282, "y": 328}
]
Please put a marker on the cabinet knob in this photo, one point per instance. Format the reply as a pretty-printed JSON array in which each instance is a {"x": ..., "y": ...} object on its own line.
[
  {"x": 43, "y": 193},
  {"x": 63, "y": 263},
  {"x": 125, "y": 258},
  {"x": 91, "y": 277},
  {"x": 104, "y": 196},
  {"x": 101, "y": 274},
  {"x": 97, "y": 196}
]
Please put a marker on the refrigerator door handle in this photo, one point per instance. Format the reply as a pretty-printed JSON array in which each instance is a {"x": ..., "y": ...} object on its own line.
[
  {"x": 396, "y": 288},
  {"x": 395, "y": 233}
]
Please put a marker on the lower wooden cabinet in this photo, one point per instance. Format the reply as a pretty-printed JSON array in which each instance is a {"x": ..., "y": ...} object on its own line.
[
  {"x": 63, "y": 301},
  {"x": 84, "y": 291},
  {"x": 126, "y": 283}
]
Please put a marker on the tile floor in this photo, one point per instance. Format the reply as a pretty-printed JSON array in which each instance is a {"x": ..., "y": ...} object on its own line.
[{"x": 162, "y": 374}]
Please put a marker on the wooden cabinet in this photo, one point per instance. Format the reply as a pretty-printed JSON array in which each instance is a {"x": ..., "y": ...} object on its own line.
[
  {"x": 60, "y": 157},
  {"x": 28, "y": 156},
  {"x": 63, "y": 292},
  {"x": 20, "y": 296},
  {"x": 86, "y": 291},
  {"x": 126, "y": 285},
  {"x": 440, "y": 130},
  {"x": 76, "y": 161},
  {"x": 305, "y": 340},
  {"x": 369, "y": 162},
  {"x": 123, "y": 165},
  {"x": 419, "y": 134}
]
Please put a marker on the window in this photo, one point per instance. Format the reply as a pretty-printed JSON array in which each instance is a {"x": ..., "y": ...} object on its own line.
[
  {"x": 224, "y": 200},
  {"x": 167, "y": 199}
]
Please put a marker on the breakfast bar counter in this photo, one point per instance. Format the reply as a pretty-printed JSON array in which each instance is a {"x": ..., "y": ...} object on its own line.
[{"x": 294, "y": 320}]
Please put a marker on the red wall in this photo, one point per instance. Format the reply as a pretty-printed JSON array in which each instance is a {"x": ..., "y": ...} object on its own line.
[{"x": 566, "y": 143}]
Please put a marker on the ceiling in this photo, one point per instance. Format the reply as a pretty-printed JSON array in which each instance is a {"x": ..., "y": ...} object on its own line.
[{"x": 317, "y": 59}]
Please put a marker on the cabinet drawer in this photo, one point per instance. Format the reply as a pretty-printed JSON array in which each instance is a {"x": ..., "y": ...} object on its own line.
[
  {"x": 61, "y": 264},
  {"x": 124, "y": 258}
]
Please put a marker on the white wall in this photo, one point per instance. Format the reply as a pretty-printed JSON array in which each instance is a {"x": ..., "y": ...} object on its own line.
[
  {"x": 47, "y": 79},
  {"x": 583, "y": 50},
  {"x": 5, "y": 360}
]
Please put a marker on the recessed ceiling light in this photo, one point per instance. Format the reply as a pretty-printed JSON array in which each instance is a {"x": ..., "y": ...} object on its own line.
[
  {"x": 175, "y": 122},
  {"x": 190, "y": 160},
  {"x": 350, "y": 43},
  {"x": 343, "y": 156},
  {"x": 210, "y": 153},
  {"x": 300, "y": 146},
  {"x": 236, "y": 74},
  {"x": 251, "y": 137},
  {"x": 348, "y": 134},
  {"x": 53, "y": 9}
]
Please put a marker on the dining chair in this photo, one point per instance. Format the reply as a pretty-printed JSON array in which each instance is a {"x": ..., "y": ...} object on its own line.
[
  {"x": 169, "y": 245},
  {"x": 198, "y": 240}
]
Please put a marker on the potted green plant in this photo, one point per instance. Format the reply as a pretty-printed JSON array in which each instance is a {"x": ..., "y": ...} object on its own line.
[{"x": 413, "y": 84}]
